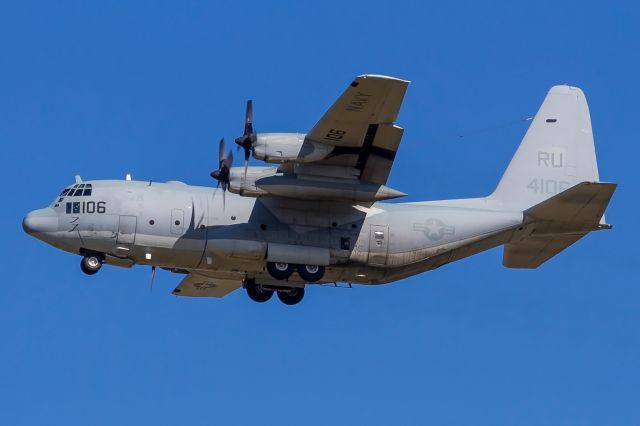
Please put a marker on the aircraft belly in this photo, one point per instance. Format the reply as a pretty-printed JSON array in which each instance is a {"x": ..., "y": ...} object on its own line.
[{"x": 169, "y": 251}]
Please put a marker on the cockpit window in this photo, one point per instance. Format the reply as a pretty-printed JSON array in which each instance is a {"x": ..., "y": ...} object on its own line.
[{"x": 77, "y": 190}]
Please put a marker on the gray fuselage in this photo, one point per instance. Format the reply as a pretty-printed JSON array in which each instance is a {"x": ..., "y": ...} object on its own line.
[{"x": 185, "y": 228}]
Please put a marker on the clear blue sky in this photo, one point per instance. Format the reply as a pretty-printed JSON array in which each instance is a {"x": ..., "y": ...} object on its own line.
[{"x": 148, "y": 88}]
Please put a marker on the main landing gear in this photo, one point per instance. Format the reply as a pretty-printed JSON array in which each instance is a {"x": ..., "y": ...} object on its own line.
[
  {"x": 308, "y": 273},
  {"x": 257, "y": 292},
  {"x": 91, "y": 263},
  {"x": 260, "y": 293},
  {"x": 291, "y": 296},
  {"x": 280, "y": 270}
]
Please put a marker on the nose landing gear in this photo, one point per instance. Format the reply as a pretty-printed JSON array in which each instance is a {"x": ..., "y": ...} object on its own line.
[{"x": 91, "y": 263}]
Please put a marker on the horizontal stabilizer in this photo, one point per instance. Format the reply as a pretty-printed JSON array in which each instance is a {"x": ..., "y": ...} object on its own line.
[
  {"x": 584, "y": 203},
  {"x": 559, "y": 222},
  {"x": 534, "y": 251}
]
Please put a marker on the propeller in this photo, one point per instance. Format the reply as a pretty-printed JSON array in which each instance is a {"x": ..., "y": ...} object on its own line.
[
  {"x": 248, "y": 138},
  {"x": 223, "y": 174}
]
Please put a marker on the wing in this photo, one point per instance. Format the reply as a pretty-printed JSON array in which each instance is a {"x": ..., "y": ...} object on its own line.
[
  {"x": 359, "y": 126},
  {"x": 196, "y": 285}
]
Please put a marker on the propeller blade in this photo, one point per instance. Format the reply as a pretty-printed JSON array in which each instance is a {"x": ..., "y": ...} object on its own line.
[
  {"x": 222, "y": 174},
  {"x": 248, "y": 136},
  {"x": 224, "y": 197},
  {"x": 248, "y": 121},
  {"x": 247, "y": 154},
  {"x": 230, "y": 158},
  {"x": 221, "y": 150}
]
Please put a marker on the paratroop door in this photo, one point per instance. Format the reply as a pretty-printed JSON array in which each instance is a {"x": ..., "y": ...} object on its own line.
[{"x": 378, "y": 244}]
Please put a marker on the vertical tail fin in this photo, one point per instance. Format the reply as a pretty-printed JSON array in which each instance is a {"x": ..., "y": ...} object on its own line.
[{"x": 557, "y": 152}]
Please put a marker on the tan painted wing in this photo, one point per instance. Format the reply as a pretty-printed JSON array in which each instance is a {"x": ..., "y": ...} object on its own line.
[
  {"x": 360, "y": 126},
  {"x": 196, "y": 285}
]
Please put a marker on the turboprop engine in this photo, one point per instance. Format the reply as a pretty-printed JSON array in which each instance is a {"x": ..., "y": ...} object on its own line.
[
  {"x": 278, "y": 147},
  {"x": 288, "y": 147},
  {"x": 245, "y": 184}
]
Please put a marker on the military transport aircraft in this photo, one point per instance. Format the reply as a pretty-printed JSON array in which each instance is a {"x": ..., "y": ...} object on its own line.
[{"x": 318, "y": 217}]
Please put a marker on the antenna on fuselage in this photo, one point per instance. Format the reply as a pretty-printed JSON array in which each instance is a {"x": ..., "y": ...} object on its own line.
[
  {"x": 128, "y": 176},
  {"x": 153, "y": 276},
  {"x": 78, "y": 179}
]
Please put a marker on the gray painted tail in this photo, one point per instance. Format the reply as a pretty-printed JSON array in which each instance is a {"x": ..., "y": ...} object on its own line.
[{"x": 557, "y": 152}]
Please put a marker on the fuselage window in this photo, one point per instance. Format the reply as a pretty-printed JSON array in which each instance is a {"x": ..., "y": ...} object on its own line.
[
  {"x": 65, "y": 192},
  {"x": 70, "y": 194},
  {"x": 87, "y": 192},
  {"x": 68, "y": 208}
]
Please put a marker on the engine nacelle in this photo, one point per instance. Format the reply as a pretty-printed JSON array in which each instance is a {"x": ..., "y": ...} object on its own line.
[
  {"x": 288, "y": 148},
  {"x": 240, "y": 185}
]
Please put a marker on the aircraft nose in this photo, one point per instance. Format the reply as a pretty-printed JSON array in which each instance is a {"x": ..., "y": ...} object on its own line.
[{"x": 41, "y": 220}]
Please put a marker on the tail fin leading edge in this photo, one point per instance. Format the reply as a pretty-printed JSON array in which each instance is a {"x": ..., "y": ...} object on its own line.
[{"x": 556, "y": 153}]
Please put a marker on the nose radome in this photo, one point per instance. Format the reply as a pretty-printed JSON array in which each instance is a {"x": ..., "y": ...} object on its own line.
[{"x": 41, "y": 220}]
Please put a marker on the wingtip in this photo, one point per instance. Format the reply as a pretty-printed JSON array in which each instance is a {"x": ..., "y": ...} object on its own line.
[{"x": 382, "y": 77}]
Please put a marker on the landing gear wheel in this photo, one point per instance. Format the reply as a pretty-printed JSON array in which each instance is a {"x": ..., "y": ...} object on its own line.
[
  {"x": 257, "y": 293},
  {"x": 279, "y": 270},
  {"x": 292, "y": 296},
  {"x": 311, "y": 273},
  {"x": 91, "y": 263}
]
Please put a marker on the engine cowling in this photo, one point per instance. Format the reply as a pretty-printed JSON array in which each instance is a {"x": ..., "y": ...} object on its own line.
[
  {"x": 240, "y": 185},
  {"x": 288, "y": 148}
]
